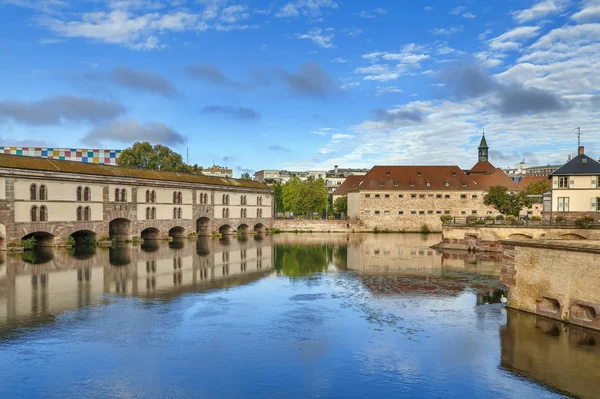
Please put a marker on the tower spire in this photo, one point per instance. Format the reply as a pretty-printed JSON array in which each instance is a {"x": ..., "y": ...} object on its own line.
[{"x": 483, "y": 149}]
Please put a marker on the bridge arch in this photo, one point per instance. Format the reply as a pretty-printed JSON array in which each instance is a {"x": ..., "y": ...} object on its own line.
[
  {"x": 225, "y": 230},
  {"x": 150, "y": 233},
  {"x": 203, "y": 226},
  {"x": 572, "y": 236},
  {"x": 519, "y": 236},
  {"x": 177, "y": 232},
  {"x": 243, "y": 228},
  {"x": 259, "y": 228},
  {"x": 119, "y": 229},
  {"x": 83, "y": 237},
  {"x": 42, "y": 238}
]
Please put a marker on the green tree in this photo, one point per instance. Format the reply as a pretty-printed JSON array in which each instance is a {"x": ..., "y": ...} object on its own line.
[
  {"x": 304, "y": 197},
  {"x": 245, "y": 176},
  {"x": 538, "y": 187},
  {"x": 157, "y": 157},
  {"x": 506, "y": 203},
  {"x": 277, "y": 189},
  {"x": 341, "y": 205}
]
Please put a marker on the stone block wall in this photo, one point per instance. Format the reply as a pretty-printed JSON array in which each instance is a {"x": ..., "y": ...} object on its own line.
[{"x": 336, "y": 226}]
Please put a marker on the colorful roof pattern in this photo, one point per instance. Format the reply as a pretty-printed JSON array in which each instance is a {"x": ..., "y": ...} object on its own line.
[
  {"x": 53, "y": 165},
  {"x": 98, "y": 156}
]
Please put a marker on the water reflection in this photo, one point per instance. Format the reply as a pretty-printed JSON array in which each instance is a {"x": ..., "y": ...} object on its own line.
[
  {"x": 564, "y": 357},
  {"x": 378, "y": 295}
]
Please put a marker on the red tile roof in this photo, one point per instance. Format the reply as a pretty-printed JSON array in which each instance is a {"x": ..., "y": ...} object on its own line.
[
  {"x": 482, "y": 167},
  {"x": 527, "y": 180},
  {"x": 495, "y": 177},
  {"x": 417, "y": 178},
  {"x": 349, "y": 184}
]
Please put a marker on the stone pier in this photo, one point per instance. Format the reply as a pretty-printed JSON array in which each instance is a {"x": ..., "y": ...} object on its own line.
[{"x": 555, "y": 279}]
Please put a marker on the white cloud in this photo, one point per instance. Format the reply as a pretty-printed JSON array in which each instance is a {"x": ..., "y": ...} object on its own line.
[
  {"x": 319, "y": 37},
  {"x": 388, "y": 90},
  {"x": 512, "y": 39},
  {"x": 469, "y": 15},
  {"x": 540, "y": 10},
  {"x": 349, "y": 85},
  {"x": 457, "y": 10},
  {"x": 307, "y": 8},
  {"x": 339, "y": 60},
  {"x": 372, "y": 13},
  {"x": 447, "y": 31},
  {"x": 590, "y": 13}
]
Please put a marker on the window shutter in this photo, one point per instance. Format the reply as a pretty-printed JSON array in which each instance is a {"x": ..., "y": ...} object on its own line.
[
  {"x": 594, "y": 182},
  {"x": 561, "y": 205},
  {"x": 571, "y": 182},
  {"x": 555, "y": 182},
  {"x": 593, "y": 205}
]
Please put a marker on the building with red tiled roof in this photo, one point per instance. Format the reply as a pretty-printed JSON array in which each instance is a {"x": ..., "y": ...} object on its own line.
[
  {"x": 527, "y": 180},
  {"x": 350, "y": 183},
  {"x": 408, "y": 197}
]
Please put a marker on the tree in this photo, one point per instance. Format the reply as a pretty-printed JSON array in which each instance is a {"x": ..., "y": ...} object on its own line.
[
  {"x": 245, "y": 176},
  {"x": 278, "y": 197},
  {"x": 506, "y": 203},
  {"x": 341, "y": 205},
  {"x": 538, "y": 187},
  {"x": 158, "y": 157},
  {"x": 304, "y": 196}
]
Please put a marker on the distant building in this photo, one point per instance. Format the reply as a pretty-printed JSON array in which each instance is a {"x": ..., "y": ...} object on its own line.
[
  {"x": 334, "y": 178},
  {"x": 407, "y": 197},
  {"x": 217, "y": 171},
  {"x": 98, "y": 156},
  {"x": 575, "y": 188},
  {"x": 522, "y": 170}
]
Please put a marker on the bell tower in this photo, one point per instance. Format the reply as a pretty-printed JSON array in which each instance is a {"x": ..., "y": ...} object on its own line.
[{"x": 483, "y": 149}]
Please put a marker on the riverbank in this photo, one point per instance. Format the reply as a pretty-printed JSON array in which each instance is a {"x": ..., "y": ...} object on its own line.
[{"x": 332, "y": 226}]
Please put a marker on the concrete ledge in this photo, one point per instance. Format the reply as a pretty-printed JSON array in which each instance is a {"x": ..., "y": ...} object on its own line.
[{"x": 571, "y": 245}]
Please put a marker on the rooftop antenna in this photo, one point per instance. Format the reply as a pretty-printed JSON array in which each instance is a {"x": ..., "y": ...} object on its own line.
[
  {"x": 187, "y": 155},
  {"x": 578, "y": 137}
]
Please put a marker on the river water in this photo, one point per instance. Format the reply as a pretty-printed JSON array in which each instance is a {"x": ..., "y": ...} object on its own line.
[{"x": 291, "y": 315}]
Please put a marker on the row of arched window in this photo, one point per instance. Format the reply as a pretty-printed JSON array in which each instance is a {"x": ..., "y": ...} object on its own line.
[
  {"x": 225, "y": 213},
  {"x": 243, "y": 213},
  {"x": 243, "y": 200},
  {"x": 150, "y": 213},
  {"x": 259, "y": 213},
  {"x": 84, "y": 194},
  {"x": 177, "y": 213},
  {"x": 39, "y": 214},
  {"x": 84, "y": 213},
  {"x": 259, "y": 200},
  {"x": 120, "y": 195},
  {"x": 150, "y": 196},
  {"x": 225, "y": 199},
  {"x": 177, "y": 197},
  {"x": 203, "y": 198},
  {"x": 38, "y": 195}
]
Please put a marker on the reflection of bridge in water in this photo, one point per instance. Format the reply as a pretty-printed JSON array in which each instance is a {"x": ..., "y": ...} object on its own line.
[{"x": 38, "y": 285}]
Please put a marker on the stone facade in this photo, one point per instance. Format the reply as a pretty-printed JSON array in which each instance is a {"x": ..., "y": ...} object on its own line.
[
  {"x": 555, "y": 279},
  {"x": 143, "y": 208}
]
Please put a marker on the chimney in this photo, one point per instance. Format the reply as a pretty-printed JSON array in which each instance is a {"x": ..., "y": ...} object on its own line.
[
  {"x": 580, "y": 151},
  {"x": 336, "y": 169}
]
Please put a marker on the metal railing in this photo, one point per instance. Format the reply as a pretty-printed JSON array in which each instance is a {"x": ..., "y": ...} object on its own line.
[{"x": 522, "y": 221}]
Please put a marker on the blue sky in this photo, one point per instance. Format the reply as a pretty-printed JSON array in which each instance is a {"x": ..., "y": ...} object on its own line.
[{"x": 304, "y": 84}]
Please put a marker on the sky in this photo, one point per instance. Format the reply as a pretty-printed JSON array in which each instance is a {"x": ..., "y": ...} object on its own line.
[{"x": 304, "y": 84}]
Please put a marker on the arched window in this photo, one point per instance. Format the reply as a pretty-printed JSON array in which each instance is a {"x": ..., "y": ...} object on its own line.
[
  {"x": 79, "y": 213},
  {"x": 153, "y": 213},
  {"x": 34, "y": 210},
  {"x": 174, "y": 213},
  {"x": 79, "y": 193},
  {"x": 86, "y": 213},
  {"x": 87, "y": 194},
  {"x": 33, "y": 192},
  {"x": 153, "y": 196},
  {"x": 223, "y": 213},
  {"x": 179, "y": 213},
  {"x": 179, "y": 198},
  {"x": 43, "y": 214},
  {"x": 123, "y": 195},
  {"x": 242, "y": 213},
  {"x": 147, "y": 211},
  {"x": 147, "y": 197},
  {"x": 43, "y": 193},
  {"x": 227, "y": 211},
  {"x": 117, "y": 192},
  {"x": 174, "y": 197}
]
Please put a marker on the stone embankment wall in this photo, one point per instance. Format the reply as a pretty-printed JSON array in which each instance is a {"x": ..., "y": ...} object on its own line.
[
  {"x": 487, "y": 238},
  {"x": 552, "y": 278},
  {"x": 325, "y": 226}
]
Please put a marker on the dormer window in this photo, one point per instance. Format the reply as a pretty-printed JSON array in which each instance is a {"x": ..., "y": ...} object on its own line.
[
  {"x": 380, "y": 184},
  {"x": 395, "y": 184},
  {"x": 584, "y": 160},
  {"x": 447, "y": 183},
  {"x": 418, "y": 173},
  {"x": 453, "y": 173},
  {"x": 428, "y": 184},
  {"x": 412, "y": 183},
  {"x": 387, "y": 173},
  {"x": 464, "y": 184}
]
